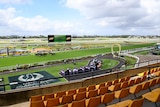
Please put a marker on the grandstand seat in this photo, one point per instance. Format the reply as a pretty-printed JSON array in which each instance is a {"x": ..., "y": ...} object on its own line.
[
  {"x": 114, "y": 87},
  {"x": 66, "y": 99},
  {"x": 135, "y": 89},
  {"x": 82, "y": 89},
  {"x": 93, "y": 101},
  {"x": 98, "y": 86},
  {"x": 137, "y": 80},
  {"x": 103, "y": 90},
  {"x": 73, "y": 91},
  {"x": 127, "y": 78},
  {"x": 52, "y": 102},
  {"x": 109, "y": 83},
  {"x": 60, "y": 94},
  {"x": 156, "y": 90},
  {"x": 37, "y": 103},
  {"x": 131, "y": 82},
  {"x": 153, "y": 97},
  {"x": 46, "y": 96},
  {"x": 80, "y": 96},
  {"x": 115, "y": 81},
  {"x": 107, "y": 98},
  {"x": 122, "y": 79},
  {"x": 143, "y": 78},
  {"x": 152, "y": 83},
  {"x": 130, "y": 103},
  {"x": 124, "y": 84},
  {"x": 80, "y": 103},
  {"x": 36, "y": 98},
  {"x": 91, "y": 93},
  {"x": 121, "y": 93},
  {"x": 145, "y": 85},
  {"x": 91, "y": 87}
]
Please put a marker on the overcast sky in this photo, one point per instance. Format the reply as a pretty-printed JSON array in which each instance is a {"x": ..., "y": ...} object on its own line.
[{"x": 80, "y": 17}]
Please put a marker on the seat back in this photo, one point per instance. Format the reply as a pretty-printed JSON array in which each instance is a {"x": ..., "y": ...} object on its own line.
[
  {"x": 60, "y": 94},
  {"x": 91, "y": 87},
  {"x": 137, "y": 80},
  {"x": 71, "y": 92},
  {"x": 109, "y": 83},
  {"x": 94, "y": 101},
  {"x": 152, "y": 82},
  {"x": 115, "y": 81},
  {"x": 80, "y": 96},
  {"x": 82, "y": 89},
  {"x": 138, "y": 88},
  {"x": 80, "y": 103},
  {"x": 145, "y": 85},
  {"x": 52, "y": 102},
  {"x": 67, "y": 99},
  {"x": 103, "y": 90},
  {"x": 122, "y": 79},
  {"x": 107, "y": 98},
  {"x": 124, "y": 93},
  {"x": 124, "y": 84},
  {"x": 37, "y": 104},
  {"x": 136, "y": 103},
  {"x": 36, "y": 98},
  {"x": 46, "y": 96},
  {"x": 131, "y": 82},
  {"x": 92, "y": 93}
]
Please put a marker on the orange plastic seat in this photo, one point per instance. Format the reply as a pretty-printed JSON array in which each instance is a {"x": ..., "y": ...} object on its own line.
[
  {"x": 92, "y": 93},
  {"x": 137, "y": 80},
  {"x": 124, "y": 84},
  {"x": 127, "y": 78},
  {"x": 115, "y": 81},
  {"x": 156, "y": 90},
  {"x": 100, "y": 85},
  {"x": 135, "y": 89},
  {"x": 145, "y": 85},
  {"x": 37, "y": 103},
  {"x": 107, "y": 98},
  {"x": 131, "y": 82},
  {"x": 80, "y": 96},
  {"x": 153, "y": 97},
  {"x": 36, "y": 98},
  {"x": 46, "y": 96},
  {"x": 80, "y": 103},
  {"x": 109, "y": 83},
  {"x": 82, "y": 89},
  {"x": 103, "y": 90},
  {"x": 143, "y": 78},
  {"x": 93, "y": 101},
  {"x": 91, "y": 87},
  {"x": 122, "y": 79},
  {"x": 131, "y": 103},
  {"x": 73, "y": 91},
  {"x": 66, "y": 99},
  {"x": 122, "y": 93},
  {"x": 60, "y": 94},
  {"x": 52, "y": 102},
  {"x": 114, "y": 87}
]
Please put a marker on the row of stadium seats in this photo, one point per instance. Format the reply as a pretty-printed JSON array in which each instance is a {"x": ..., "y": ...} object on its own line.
[
  {"x": 102, "y": 99},
  {"x": 97, "y": 90}
]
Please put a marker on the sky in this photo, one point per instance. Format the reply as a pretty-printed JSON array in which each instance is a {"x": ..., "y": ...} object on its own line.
[{"x": 79, "y": 17}]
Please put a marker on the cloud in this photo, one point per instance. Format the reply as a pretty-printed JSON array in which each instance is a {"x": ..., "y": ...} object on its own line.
[
  {"x": 12, "y": 24},
  {"x": 122, "y": 14}
]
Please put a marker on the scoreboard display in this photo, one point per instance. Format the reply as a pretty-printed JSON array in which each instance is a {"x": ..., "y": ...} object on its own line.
[{"x": 59, "y": 38}]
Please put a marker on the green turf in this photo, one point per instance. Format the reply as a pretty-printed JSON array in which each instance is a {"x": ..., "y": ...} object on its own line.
[
  {"x": 29, "y": 59},
  {"x": 54, "y": 70}
]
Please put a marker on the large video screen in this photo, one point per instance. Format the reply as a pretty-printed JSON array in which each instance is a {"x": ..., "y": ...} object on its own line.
[{"x": 59, "y": 38}]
